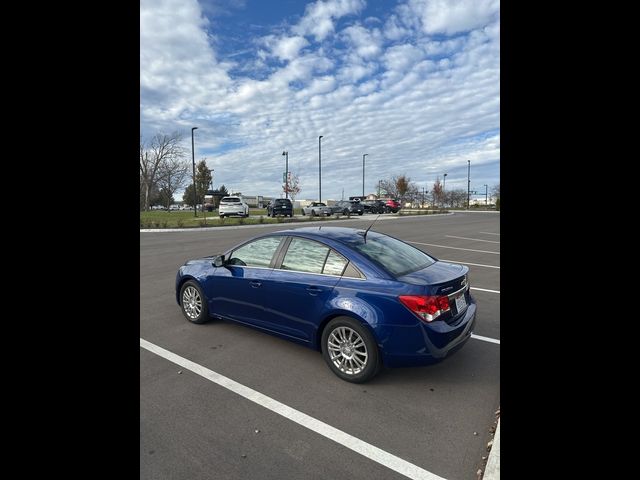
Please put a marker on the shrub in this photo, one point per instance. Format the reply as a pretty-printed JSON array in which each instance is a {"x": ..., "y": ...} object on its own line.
[{"x": 180, "y": 223}]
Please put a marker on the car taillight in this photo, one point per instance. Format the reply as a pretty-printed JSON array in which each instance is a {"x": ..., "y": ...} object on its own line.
[{"x": 427, "y": 307}]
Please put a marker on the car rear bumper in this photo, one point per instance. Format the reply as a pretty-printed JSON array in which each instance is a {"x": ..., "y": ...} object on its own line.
[
  {"x": 424, "y": 344},
  {"x": 231, "y": 211}
]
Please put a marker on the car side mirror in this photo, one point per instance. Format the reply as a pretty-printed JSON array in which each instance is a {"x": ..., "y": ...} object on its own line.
[{"x": 218, "y": 261}]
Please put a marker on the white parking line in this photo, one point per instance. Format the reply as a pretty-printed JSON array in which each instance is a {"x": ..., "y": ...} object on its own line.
[
  {"x": 484, "y": 290},
  {"x": 359, "y": 446},
  {"x": 468, "y": 263},
  {"x": 454, "y": 248},
  {"x": 485, "y": 339},
  {"x": 489, "y": 233},
  {"x": 474, "y": 239}
]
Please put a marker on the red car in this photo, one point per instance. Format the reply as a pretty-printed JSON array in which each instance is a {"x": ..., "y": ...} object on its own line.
[{"x": 393, "y": 206}]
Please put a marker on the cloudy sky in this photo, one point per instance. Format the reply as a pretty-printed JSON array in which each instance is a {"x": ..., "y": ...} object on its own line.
[{"x": 415, "y": 84}]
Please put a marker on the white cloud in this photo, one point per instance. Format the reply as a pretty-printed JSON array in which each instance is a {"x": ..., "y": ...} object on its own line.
[
  {"x": 285, "y": 48},
  {"x": 366, "y": 43},
  {"x": 319, "y": 17},
  {"x": 453, "y": 16},
  {"x": 393, "y": 30},
  {"x": 416, "y": 105},
  {"x": 400, "y": 58}
]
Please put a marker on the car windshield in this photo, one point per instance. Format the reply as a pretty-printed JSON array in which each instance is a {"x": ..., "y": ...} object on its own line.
[{"x": 397, "y": 257}]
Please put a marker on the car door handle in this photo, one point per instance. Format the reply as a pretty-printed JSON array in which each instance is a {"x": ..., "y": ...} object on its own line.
[
  {"x": 255, "y": 284},
  {"x": 313, "y": 290}
]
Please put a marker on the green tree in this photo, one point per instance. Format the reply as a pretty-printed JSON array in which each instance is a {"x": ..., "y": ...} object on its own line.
[
  {"x": 203, "y": 180},
  {"x": 165, "y": 198},
  {"x": 187, "y": 196}
]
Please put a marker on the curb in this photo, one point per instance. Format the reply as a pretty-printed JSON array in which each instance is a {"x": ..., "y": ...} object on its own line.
[
  {"x": 492, "y": 470},
  {"x": 285, "y": 224}
]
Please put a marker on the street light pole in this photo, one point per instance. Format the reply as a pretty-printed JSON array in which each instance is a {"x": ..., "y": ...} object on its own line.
[
  {"x": 193, "y": 161},
  {"x": 486, "y": 191},
  {"x": 444, "y": 193},
  {"x": 286, "y": 174},
  {"x": 319, "y": 169},
  {"x": 468, "y": 182},
  {"x": 364, "y": 155}
]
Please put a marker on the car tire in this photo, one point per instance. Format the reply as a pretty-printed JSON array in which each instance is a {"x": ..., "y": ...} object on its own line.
[
  {"x": 345, "y": 212},
  {"x": 303, "y": 214},
  {"x": 350, "y": 350},
  {"x": 193, "y": 302},
  {"x": 221, "y": 216},
  {"x": 360, "y": 213}
]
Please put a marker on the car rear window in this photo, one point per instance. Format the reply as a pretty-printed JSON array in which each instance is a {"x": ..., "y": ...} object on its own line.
[
  {"x": 230, "y": 200},
  {"x": 283, "y": 201},
  {"x": 395, "y": 256}
]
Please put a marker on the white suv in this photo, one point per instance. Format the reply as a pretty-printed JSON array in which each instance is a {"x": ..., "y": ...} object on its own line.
[{"x": 233, "y": 206}]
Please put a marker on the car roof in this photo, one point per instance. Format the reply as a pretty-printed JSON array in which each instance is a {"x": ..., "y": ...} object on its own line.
[{"x": 343, "y": 235}]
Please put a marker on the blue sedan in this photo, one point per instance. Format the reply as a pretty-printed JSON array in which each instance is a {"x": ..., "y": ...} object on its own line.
[{"x": 364, "y": 299}]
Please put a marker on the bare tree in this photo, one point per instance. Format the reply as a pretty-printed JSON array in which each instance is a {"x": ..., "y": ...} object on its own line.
[
  {"x": 457, "y": 198},
  {"x": 153, "y": 155},
  {"x": 495, "y": 191},
  {"x": 172, "y": 176},
  {"x": 294, "y": 187}
]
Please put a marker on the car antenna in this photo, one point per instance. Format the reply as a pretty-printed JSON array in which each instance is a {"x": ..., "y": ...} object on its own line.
[{"x": 367, "y": 230}]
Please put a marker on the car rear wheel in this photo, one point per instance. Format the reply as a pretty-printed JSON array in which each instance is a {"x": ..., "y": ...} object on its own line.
[
  {"x": 350, "y": 350},
  {"x": 221, "y": 216},
  {"x": 193, "y": 302}
]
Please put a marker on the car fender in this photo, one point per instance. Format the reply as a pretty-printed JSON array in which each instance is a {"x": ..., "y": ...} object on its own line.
[{"x": 351, "y": 307}]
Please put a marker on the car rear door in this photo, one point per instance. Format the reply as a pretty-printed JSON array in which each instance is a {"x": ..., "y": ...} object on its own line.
[{"x": 299, "y": 288}]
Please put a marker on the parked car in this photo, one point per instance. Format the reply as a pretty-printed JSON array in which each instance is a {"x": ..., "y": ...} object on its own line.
[
  {"x": 233, "y": 206},
  {"x": 364, "y": 299},
  {"x": 348, "y": 207},
  {"x": 374, "y": 206},
  {"x": 394, "y": 205},
  {"x": 316, "y": 209},
  {"x": 280, "y": 206}
]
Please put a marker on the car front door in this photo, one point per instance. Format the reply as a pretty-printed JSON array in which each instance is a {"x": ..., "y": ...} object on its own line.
[
  {"x": 298, "y": 291},
  {"x": 237, "y": 289}
]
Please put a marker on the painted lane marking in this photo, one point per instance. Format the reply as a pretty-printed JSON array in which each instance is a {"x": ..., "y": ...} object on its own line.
[
  {"x": 489, "y": 233},
  {"x": 359, "y": 446},
  {"x": 484, "y": 290},
  {"x": 485, "y": 339},
  {"x": 474, "y": 239},
  {"x": 468, "y": 263},
  {"x": 454, "y": 248}
]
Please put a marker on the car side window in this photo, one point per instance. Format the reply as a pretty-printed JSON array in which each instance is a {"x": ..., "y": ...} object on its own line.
[
  {"x": 257, "y": 253},
  {"x": 334, "y": 265},
  {"x": 312, "y": 257}
]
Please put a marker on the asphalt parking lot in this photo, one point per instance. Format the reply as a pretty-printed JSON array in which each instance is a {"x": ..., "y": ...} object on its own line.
[{"x": 436, "y": 418}]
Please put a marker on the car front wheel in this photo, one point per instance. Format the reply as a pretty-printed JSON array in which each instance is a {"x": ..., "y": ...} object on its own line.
[
  {"x": 193, "y": 302},
  {"x": 350, "y": 350}
]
